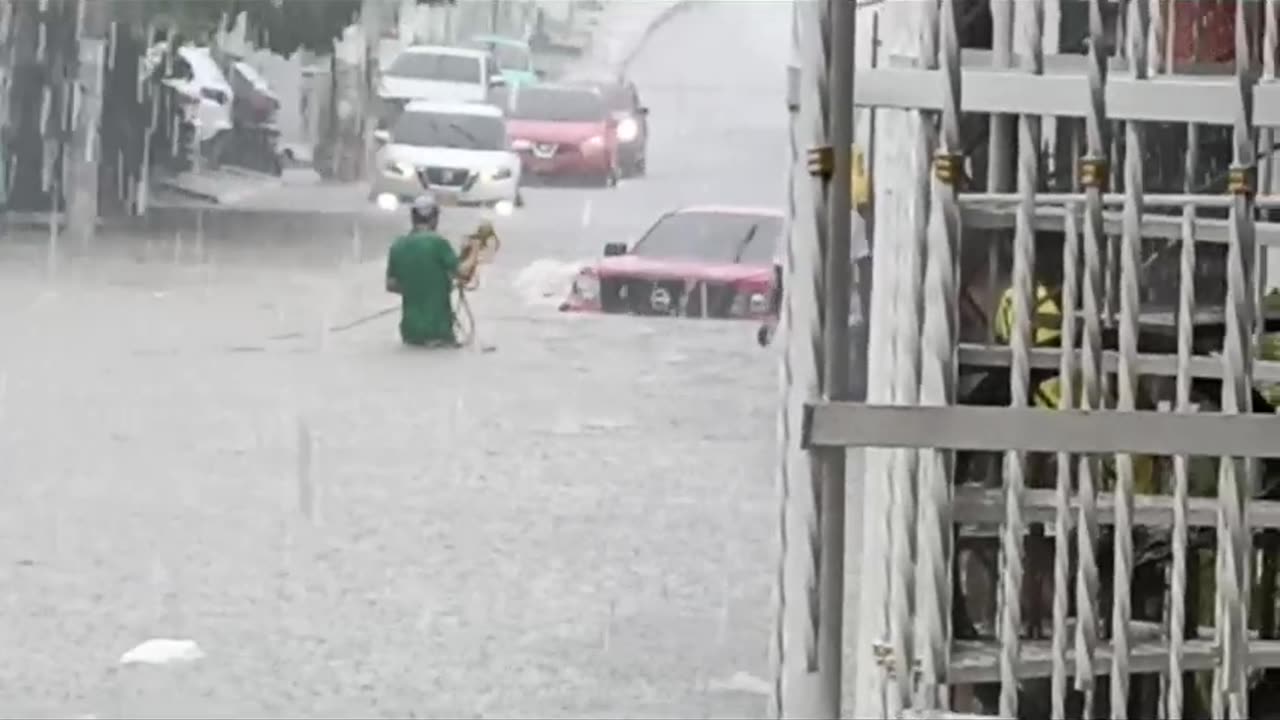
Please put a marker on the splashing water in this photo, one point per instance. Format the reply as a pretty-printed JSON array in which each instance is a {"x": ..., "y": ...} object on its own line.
[{"x": 546, "y": 282}]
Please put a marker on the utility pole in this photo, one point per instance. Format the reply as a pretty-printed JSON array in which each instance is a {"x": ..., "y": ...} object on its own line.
[
  {"x": 808, "y": 642},
  {"x": 92, "y": 27},
  {"x": 841, "y": 26},
  {"x": 373, "y": 21}
]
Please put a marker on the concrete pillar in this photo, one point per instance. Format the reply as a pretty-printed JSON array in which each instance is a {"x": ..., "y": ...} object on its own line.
[{"x": 94, "y": 23}]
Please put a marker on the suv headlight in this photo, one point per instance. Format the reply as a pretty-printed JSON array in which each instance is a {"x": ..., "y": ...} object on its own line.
[
  {"x": 400, "y": 169},
  {"x": 499, "y": 173},
  {"x": 520, "y": 144},
  {"x": 595, "y": 141},
  {"x": 586, "y": 286},
  {"x": 749, "y": 303}
]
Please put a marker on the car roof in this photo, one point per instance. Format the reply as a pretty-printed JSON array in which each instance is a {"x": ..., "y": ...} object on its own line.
[
  {"x": 499, "y": 40},
  {"x": 562, "y": 87},
  {"x": 453, "y": 108},
  {"x": 444, "y": 50},
  {"x": 594, "y": 74},
  {"x": 730, "y": 210}
]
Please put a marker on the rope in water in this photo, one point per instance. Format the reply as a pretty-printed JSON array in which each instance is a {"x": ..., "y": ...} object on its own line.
[{"x": 482, "y": 244}]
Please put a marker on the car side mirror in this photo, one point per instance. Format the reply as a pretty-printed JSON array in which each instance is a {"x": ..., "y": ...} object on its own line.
[
  {"x": 614, "y": 249},
  {"x": 381, "y": 136},
  {"x": 497, "y": 81}
]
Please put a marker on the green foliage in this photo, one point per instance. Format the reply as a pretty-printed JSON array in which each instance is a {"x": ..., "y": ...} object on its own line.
[
  {"x": 283, "y": 26},
  {"x": 291, "y": 25}
]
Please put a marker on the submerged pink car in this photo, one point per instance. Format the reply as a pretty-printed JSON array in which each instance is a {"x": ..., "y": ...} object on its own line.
[{"x": 705, "y": 261}]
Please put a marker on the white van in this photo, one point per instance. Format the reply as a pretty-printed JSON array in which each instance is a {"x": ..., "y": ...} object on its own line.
[{"x": 440, "y": 74}]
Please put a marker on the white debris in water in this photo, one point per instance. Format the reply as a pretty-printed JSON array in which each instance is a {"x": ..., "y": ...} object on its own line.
[
  {"x": 546, "y": 282},
  {"x": 163, "y": 651}
]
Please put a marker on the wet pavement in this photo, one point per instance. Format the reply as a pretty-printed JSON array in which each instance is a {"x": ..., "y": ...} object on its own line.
[{"x": 580, "y": 523}]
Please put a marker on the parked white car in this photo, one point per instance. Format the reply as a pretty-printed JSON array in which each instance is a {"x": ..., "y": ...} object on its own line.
[
  {"x": 441, "y": 74},
  {"x": 207, "y": 89},
  {"x": 458, "y": 150}
]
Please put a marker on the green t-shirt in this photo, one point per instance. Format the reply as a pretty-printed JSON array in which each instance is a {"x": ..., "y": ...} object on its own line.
[{"x": 423, "y": 264}]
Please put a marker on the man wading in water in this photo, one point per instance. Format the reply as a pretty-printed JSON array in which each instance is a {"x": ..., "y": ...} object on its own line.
[{"x": 423, "y": 269}]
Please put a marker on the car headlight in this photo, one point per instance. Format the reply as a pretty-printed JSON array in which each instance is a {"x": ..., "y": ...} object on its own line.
[
  {"x": 492, "y": 174},
  {"x": 586, "y": 286},
  {"x": 628, "y": 129},
  {"x": 749, "y": 303},
  {"x": 399, "y": 169},
  {"x": 595, "y": 141},
  {"x": 521, "y": 144}
]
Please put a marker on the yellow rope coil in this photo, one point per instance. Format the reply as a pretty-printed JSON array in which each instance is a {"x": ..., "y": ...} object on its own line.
[{"x": 478, "y": 248}]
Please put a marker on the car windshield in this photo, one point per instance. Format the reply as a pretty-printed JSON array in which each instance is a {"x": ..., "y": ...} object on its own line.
[
  {"x": 508, "y": 57},
  {"x": 556, "y": 105},
  {"x": 436, "y": 66},
  {"x": 763, "y": 244},
  {"x": 471, "y": 132},
  {"x": 711, "y": 237}
]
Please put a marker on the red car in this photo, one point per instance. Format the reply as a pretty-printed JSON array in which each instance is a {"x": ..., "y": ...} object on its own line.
[
  {"x": 623, "y": 99},
  {"x": 711, "y": 262},
  {"x": 562, "y": 131}
]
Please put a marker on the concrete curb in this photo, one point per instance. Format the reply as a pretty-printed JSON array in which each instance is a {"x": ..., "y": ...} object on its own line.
[{"x": 656, "y": 24}]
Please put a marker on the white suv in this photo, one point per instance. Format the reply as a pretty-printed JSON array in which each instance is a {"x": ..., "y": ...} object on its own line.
[{"x": 458, "y": 150}]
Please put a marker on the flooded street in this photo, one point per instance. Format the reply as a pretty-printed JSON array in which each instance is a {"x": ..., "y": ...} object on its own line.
[{"x": 579, "y": 523}]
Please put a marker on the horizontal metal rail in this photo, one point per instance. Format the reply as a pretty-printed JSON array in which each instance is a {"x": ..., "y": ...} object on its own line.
[
  {"x": 1149, "y": 200},
  {"x": 1149, "y": 364},
  {"x": 985, "y": 506},
  {"x": 980, "y": 215},
  {"x": 972, "y": 427},
  {"x": 977, "y": 661},
  {"x": 1066, "y": 64},
  {"x": 1170, "y": 99}
]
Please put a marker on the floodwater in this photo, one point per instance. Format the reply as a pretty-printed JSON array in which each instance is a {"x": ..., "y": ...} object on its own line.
[{"x": 580, "y": 523}]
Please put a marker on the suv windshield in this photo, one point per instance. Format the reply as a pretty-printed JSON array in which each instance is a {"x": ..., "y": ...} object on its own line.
[
  {"x": 762, "y": 247},
  {"x": 556, "y": 105},
  {"x": 712, "y": 237},
  {"x": 434, "y": 66},
  {"x": 471, "y": 132}
]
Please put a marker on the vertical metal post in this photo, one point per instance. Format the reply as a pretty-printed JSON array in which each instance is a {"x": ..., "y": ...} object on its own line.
[
  {"x": 1001, "y": 137},
  {"x": 842, "y": 25},
  {"x": 1235, "y": 475}
]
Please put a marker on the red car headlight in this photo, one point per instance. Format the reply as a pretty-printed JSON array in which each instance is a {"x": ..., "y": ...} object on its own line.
[
  {"x": 586, "y": 286},
  {"x": 749, "y": 302}
]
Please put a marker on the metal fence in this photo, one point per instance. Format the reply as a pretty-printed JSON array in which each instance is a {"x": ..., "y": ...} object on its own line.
[{"x": 1127, "y": 534}]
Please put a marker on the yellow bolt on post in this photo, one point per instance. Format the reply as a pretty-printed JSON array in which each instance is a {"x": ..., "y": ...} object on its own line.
[
  {"x": 821, "y": 161},
  {"x": 860, "y": 185}
]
